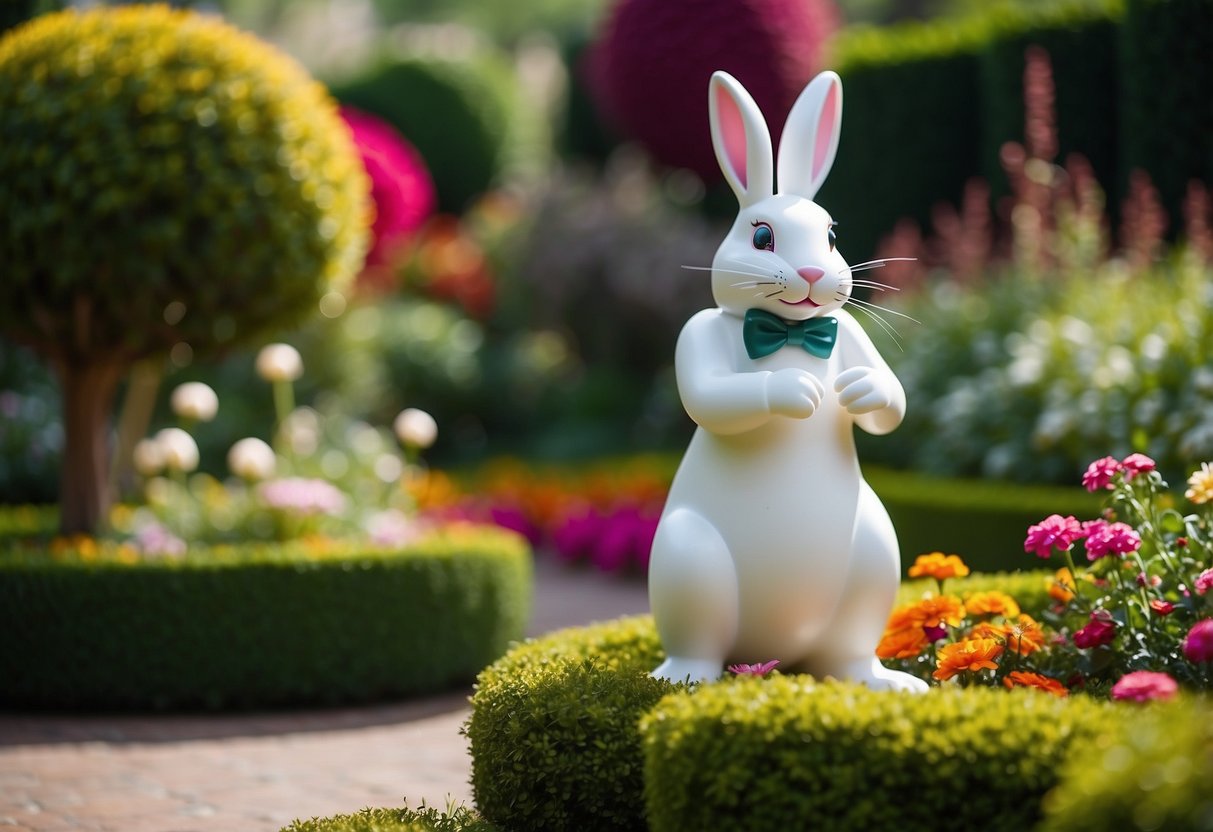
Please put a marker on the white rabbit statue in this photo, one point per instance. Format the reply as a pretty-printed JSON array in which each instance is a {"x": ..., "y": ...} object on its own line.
[{"x": 772, "y": 545}]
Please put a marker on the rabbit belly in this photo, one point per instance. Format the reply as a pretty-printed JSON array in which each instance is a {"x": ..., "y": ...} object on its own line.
[{"x": 784, "y": 499}]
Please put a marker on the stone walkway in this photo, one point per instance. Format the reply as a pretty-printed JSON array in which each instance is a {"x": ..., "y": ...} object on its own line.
[{"x": 257, "y": 772}]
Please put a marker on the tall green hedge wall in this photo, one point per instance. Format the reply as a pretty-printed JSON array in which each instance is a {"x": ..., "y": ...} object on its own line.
[{"x": 927, "y": 106}]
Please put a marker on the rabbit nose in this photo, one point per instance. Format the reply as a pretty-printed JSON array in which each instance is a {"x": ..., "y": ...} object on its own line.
[{"x": 811, "y": 273}]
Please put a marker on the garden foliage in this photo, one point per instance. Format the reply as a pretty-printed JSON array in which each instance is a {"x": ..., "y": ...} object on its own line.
[
  {"x": 425, "y": 819},
  {"x": 96, "y": 625}
]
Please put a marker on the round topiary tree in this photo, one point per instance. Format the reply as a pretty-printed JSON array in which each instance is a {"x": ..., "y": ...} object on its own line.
[
  {"x": 165, "y": 179},
  {"x": 651, "y": 64}
]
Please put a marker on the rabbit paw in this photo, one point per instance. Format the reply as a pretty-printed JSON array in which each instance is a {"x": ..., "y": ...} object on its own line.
[
  {"x": 794, "y": 393},
  {"x": 864, "y": 390}
]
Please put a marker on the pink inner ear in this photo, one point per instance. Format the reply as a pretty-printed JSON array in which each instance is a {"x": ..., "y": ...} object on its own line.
[
  {"x": 825, "y": 130},
  {"x": 732, "y": 131}
]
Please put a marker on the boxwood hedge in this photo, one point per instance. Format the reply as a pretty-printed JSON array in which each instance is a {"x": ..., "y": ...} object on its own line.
[
  {"x": 240, "y": 627},
  {"x": 397, "y": 820}
]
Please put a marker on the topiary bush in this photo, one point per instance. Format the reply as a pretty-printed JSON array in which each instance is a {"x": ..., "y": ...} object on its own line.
[
  {"x": 1152, "y": 771},
  {"x": 96, "y": 626},
  {"x": 553, "y": 731},
  {"x": 456, "y": 112},
  {"x": 197, "y": 194},
  {"x": 424, "y": 819},
  {"x": 791, "y": 753}
]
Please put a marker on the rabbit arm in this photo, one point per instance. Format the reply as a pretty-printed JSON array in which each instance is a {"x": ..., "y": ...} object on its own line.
[
  {"x": 866, "y": 386},
  {"x": 716, "y": 396}
]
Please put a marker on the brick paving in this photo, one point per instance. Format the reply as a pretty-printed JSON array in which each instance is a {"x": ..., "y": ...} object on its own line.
[{"x": 257, "y": 772}]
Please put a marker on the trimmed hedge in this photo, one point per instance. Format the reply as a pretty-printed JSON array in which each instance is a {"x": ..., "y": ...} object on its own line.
[
  {"x": 457, "y": 113},
  {"x": 424, "y": 819},
  {"x": 1154, "y": 771},
  {"x": 1166, "y": 116},
  {"x": 553, "y": 729},
  {"x": 984, "y": 522},
  {"x": 257, "y": 627},
  {"x": 791, "y": 753}
]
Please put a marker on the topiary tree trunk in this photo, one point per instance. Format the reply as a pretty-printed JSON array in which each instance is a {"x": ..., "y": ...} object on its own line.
[{"x": 88, "y": 397}]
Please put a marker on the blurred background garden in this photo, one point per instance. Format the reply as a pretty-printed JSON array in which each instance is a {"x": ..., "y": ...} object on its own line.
[{"x": 474, "y": 243}]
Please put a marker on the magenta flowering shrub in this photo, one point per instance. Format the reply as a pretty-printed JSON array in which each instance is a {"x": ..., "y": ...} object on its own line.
[
  {"x": 614, "y": 539},
  {"x": 1134, "y": 605}
]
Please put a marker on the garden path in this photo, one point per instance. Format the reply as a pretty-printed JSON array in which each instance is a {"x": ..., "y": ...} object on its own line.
[{"x": 257, "y": 772}]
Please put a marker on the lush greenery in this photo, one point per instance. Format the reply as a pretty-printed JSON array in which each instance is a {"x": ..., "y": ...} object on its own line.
[
  {"x": 553, "y": 729},
  {"x": 425, "y": 819},
  {"x": 192, "y": 197},
  {"x": 98, "y": 625},
  {"x": 788, "y": 753}
]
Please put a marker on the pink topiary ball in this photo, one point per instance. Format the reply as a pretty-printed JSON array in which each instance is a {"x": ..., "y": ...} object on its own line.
[
  {"x": 650, "y": 66},
  {"x": 401, "y": 187}
]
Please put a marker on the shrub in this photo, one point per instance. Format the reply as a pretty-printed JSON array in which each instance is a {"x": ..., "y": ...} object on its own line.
[
  {"x": 197, "y": 195},
  {"x": 789, "y": 753},
  {"x": 1166, "y": 49},
  {"x": 424, "y": 819},
  {"x": 1153, "y": 771},
  {"x": 553, "y": 729},
  {"x": 92, "y": 625},
  {"x": 456, "y": 112}
]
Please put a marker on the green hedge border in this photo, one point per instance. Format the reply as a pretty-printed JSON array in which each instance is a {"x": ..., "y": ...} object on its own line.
[
  {"x": 425, "y": 819},
  {"x": 568, "y": 732},
  {"x": 259, "y": 627}
]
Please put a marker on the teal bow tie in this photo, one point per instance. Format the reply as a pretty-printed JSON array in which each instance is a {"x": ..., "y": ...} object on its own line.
[{"x": 764, "y": 333}]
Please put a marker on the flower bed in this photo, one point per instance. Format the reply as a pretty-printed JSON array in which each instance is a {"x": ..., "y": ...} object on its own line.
[{"x": 96, "y": 625}]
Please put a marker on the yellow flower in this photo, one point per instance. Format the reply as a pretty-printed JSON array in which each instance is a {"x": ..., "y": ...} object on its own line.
[
  {"x": 1023, "y": 679},
  {"x": 1061, "y": 586},
  {"x": 992, "y": 603},
  {"x": 933, "y": 611},
  {"x": 939, "y": 566},
  {"x": 967, "y": 656},
  {"x": 1200, "y": 485}
]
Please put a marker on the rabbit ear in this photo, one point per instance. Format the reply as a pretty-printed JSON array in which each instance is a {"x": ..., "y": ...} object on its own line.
[
  {"x": 810, "y": 137},
  {"x": 740, "y": 138}
]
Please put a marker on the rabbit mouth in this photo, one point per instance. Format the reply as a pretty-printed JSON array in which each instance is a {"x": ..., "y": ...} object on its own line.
[{"x": 808, "y": 301}]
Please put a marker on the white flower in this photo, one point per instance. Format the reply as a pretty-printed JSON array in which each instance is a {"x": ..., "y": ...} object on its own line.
[
  {"x": 415, "y": 428},
  {"x": 179, "y": 449},
  {"x": 252, "y": 459},
  {"x": 148, "y": 457},
  {"x": 279, "y": 362},
  {"x": 195, "y": 400}
]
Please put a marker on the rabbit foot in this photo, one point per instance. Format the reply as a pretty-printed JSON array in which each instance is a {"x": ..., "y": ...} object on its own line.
[
  {"x": 878, "y": 677},
  {"x": 688, "y": 670}
]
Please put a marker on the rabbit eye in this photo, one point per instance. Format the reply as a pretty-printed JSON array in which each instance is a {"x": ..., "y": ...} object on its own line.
[
  {"x": 764, "y": 237},
  {"x": 831, "y": 236}
]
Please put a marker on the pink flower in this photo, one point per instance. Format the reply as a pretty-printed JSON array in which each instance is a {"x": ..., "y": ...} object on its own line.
[
  {"x": 1104, "y": 538},
  {"x": 1135, "y": 464},
  {"x": 1198, "y": 645},
  {"x": 1099, "y": 474},
  {"x": 1145, "y": 686},
  {"x": 1152, "y": 580},
  {"x": 753, "y": 669},
  {"x": 306, "y": 497},
  {"x": 1101, "y": 630},
  {"x": 1162, "y": 607},
  {"x": 154, "y": 540},
  {"x": 1054, "y": 530},
  {"x": 935, "y": 633},
  {"x": 1204, "y": 582}
]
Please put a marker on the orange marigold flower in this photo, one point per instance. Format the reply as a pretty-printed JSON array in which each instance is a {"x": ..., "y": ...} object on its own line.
[
  {"x": 1023, "y": 679},
  {"x": 902, "y": 644},
  {"x": 1025, "y": 636},
  {"x": 938, "y": 610},
  {"x": 1061, "y": 586},
  {"x": 986, "y": 630},
  {"x": 992, "y": 603},
  {"x": 970, "y": 656},
  {"x": 939, "y": 566}
]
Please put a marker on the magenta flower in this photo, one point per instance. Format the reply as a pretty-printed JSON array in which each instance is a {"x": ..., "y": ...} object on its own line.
[
  {"x": 1145, "y": 686},
  {"x": 1198, "y": 644},
  {"x": 1204, "y": 582},
  {"x": 1162, "y": 607},
  {"x": 935, "y": 633},
  {"x": 1053, "y": 531},
  {"x": 1135, "y": 464},
  {"x": 753, "y": 669},
  {"x": 1100, "y": 631},
  {"x": 1099, "y": 474},
  {"x": 1104, "y": 538}
]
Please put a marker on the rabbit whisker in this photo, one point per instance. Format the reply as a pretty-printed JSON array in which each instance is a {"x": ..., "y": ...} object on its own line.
[
  {"x": 885, "y": 309},
  {"x": 883, "y": 324},
  {"x": 881, "y": 261},
  {"x": 773, "y": 294},
  {"x": 725, "y": 271}
]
